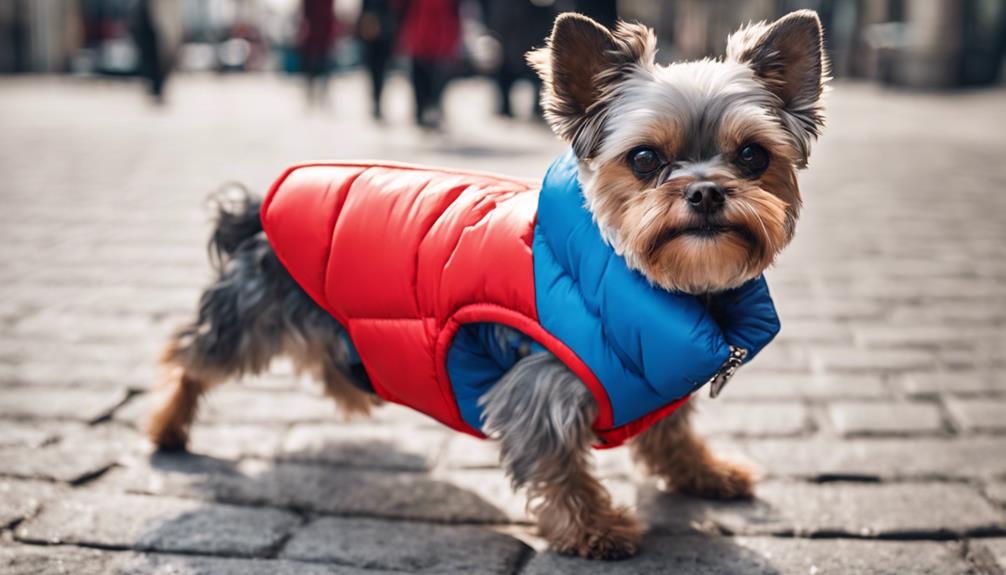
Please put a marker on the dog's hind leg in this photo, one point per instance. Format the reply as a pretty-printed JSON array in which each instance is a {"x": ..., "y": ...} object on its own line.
[
  {"x": 317, "y": 345},
  {"x": 238, "y": 330}
]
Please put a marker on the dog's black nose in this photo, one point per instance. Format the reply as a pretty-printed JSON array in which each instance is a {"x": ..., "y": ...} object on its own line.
[{"x": 705, "y": 197}]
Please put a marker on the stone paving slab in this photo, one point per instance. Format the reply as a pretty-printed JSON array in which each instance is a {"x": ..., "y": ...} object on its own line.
[
  {"x": 235, "y": 404},
  {"x": 57, "y": 361},
  {"x": 768, "y": 419},
  {"x": 33, "y": 560},
  {"x": 38, "y": 560},
  {"x": 960, "y": 458},
  {"x": 22, "y": 499},
  {"x": 88, "y": 327},
  {"x": 304, "y": 487},
  {"x": 768, "y": 556},
  {"x": 787, "y": 386},
  {"x": 29, "y": 434},
  {"x": 968, "y": 382},
  {"x": 86, "y": 405},
  {"x": 268, "y": 404},
  {"x": 915, "y": 510},
  {"x": 978, "y": 414},
  {"x": 800, "y": 330},
  {"x": 833, "y": 309},
  {"x": 855, "y": 360},
  {"x": 74, "y": 458},
  {"x": 370, "y": 445},
  {"x": 923, "y": 336},
  {"x": 405, "y": 546},
  {"x": 234, "y": 441},
  {"x": 886, "y": 418},
  {"x": 997, "y": 492},
  {"x": 158, "y": 524},
  {"x": 55, "y": 462},
  {"x": 997, "y": 548},
  {"x": 781, "y": 358},
  {"x": 85, "y": 374}
]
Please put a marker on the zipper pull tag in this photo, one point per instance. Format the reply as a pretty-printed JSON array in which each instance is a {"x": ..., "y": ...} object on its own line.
[{"x": 721, "y": 378}]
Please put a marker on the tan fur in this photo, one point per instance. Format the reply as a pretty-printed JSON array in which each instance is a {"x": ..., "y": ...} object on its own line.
[
  {"x": 578, "y": 519},
  {"x": 310, "y": 358},
  {"x": 671, "y": 451},
  {"x": 780, "y": 177},
  {"x": 644, "y": 217},
  {"x": 576, "y": 516},
  {"x": 168, "y": 427},
  {"x": 179, "y": 393}
]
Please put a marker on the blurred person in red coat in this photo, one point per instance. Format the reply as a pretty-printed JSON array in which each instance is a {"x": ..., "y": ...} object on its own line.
[
  {"x": 430, "y": 35},
  {"x": 316, "y": 34}
]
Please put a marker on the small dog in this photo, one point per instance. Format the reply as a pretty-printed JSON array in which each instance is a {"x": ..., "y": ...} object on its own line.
[{"x": 689, "y": 171}]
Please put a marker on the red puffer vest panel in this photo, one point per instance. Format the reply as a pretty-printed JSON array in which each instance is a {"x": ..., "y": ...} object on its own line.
[{"x": 403, "y": 255}]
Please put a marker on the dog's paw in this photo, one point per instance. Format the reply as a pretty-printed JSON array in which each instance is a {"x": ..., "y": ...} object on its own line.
[
  {"x": 168, "y": 438},
  {"x": 718, "y": 479},
  {"x": 610, "y": 537}
]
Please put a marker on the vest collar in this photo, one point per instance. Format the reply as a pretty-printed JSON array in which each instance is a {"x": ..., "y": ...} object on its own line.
[{"x": 569, "y": 228}]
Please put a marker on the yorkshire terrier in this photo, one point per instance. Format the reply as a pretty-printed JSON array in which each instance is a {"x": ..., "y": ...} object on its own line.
[{"x": 689, "y": 172}]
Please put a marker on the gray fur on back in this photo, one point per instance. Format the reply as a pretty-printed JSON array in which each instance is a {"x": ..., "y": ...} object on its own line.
[{"x": 253, "y": 312}]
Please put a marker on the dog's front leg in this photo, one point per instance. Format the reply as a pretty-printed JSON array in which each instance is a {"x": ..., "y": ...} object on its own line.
[
  {"x": 671, "y": 450},
  {"x": 542, "y": 415}
]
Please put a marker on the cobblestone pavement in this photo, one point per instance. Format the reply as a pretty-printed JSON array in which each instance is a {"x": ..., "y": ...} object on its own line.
[{"x": 878, "y": 417}]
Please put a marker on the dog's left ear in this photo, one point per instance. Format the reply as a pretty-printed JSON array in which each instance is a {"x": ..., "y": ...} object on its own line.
[{"x": 787, "y": 56}]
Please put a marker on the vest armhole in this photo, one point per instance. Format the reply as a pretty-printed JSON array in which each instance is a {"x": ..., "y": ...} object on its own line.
[{"x": 492, "y": 313}]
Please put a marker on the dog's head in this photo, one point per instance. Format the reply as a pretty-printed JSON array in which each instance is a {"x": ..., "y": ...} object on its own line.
[{"x": 689, "y": 169}]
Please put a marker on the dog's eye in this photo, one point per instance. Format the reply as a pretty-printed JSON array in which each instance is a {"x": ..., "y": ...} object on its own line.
[
  {"x": 645, "y": 161},
  {"x": 753, "y": 159}
]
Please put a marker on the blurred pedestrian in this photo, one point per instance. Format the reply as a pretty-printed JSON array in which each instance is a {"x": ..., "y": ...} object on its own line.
[
  {"x": 431, "y": 32},
  {"x": 519, "y": 25},
  {"x": 376, "y": 31},
  {"x": 156, "y": 26},
  {"x": 316, "y": 34}
]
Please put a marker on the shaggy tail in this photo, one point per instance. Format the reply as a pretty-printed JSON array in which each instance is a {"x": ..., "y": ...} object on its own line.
[{"x": 236, "y": 221}]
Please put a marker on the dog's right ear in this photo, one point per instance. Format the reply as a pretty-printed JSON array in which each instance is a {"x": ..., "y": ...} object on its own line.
[
  {"x": 578, "y": 65},
  {"x": 788, "y": 58}
]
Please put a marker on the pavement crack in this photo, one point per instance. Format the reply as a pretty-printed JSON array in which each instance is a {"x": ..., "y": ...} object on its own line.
[{"x": 110, "y": 412}]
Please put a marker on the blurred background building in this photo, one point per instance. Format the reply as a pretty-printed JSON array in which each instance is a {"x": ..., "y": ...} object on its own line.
[{"x": 914, "y": 43}]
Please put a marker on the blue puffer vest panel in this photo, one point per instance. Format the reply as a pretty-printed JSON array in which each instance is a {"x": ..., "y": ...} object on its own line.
[{"x": 645, "y": 348}]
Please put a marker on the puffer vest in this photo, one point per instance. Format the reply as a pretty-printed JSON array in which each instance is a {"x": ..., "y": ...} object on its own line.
[{"x": 404, "y": 256}]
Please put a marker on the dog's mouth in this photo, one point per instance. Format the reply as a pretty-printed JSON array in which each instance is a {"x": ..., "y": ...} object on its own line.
[{"x": 706, "y": 230}]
